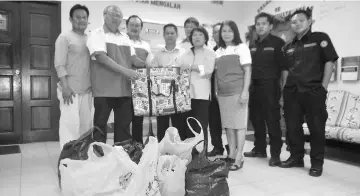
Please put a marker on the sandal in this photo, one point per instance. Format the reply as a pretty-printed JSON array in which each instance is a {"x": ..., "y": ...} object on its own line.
[
  {"x": 228, "y": 160},
  {"x": 236, "y": 167}
]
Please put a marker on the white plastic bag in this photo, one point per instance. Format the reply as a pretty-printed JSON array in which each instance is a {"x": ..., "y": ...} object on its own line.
[
  {"x": 172, "y": 144},
  {"x": 110, "y": 175},
  {"x": 147, "y": 181},
  {"x": 171, "y": 172}
]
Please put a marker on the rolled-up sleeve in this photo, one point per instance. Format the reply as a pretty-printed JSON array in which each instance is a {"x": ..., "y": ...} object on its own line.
[
  {"x": 96, "y": 43},
  {"x": 244, "y": 54},
  {"x": 150, "y": 56},
  {"x": 61, "y": 55}
]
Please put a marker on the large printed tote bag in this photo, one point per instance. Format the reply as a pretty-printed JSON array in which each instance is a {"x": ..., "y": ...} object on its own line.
[{"x": 162, "y": 91}]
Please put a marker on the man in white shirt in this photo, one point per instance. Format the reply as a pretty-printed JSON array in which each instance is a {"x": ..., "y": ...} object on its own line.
[
  {"x": 166, "y": 57},
  {"x": 71, "y": 62}
]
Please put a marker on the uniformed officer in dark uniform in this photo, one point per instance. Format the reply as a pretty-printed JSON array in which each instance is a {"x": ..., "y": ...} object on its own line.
[
  {"x": 310, "y": 60},
  {"x": 215, "y": 124},
  {"x": 267, "y": 59}
]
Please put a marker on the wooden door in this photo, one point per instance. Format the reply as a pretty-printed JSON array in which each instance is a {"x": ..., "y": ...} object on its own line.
[
  {"x": 10, "y": 70},
  {"x": 40, "y": 108}
]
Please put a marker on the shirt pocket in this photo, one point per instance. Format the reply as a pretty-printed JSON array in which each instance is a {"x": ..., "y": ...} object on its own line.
[
  {"x": 253, "y": 52},
  {"x": 289, "y": 55},
  {"x": 268, "y": 53},
  {"x": 311, "y": 52}
]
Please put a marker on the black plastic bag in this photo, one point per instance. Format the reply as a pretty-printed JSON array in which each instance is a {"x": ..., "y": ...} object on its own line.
[
  {"x": 133, "y": 148},
  {"x": 205, "y": 177},
  {"x": 78, "y": 149}
]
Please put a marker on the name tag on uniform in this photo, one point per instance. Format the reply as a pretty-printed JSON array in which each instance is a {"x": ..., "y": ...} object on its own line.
[
  {"x": 290, "y": 50},
  {"x": 309, "y": 45},
  {"x": 268, "y": 49},
  {"x": 253, "y": 49}
]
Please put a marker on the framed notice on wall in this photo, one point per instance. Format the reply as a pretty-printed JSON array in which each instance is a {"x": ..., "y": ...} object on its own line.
[
  {"x": 350, "y": 68},
  {"x": 3, "y": 21}
]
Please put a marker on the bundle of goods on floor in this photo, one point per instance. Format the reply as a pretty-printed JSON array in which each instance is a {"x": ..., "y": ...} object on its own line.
[{"x": 171, "y": 167}]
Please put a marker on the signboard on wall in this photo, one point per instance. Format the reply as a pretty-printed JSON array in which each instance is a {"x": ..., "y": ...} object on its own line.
[{"x": 281, "y": 26}]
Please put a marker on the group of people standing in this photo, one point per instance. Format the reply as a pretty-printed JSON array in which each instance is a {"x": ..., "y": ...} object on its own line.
[{"x": 224, "y": 82}]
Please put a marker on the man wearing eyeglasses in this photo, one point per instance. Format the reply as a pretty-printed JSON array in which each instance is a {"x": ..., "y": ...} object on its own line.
[{"x": 112, "y": 58}]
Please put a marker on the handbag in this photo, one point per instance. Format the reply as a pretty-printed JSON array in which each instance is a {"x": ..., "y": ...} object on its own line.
[
  {"x": 205, "y": 177},
  {"x": 161, "y": 91}
]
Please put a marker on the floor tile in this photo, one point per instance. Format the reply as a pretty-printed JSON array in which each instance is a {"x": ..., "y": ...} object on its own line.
[
  {"x": 33, "y": 173},
  {"x": 10, "y": 182},
  {"x": 247, "y": 190},
  {"x": 10, "y": 162}
]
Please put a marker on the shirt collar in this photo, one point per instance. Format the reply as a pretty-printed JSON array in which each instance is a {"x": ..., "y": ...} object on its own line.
[
  {"x": 165, "y": 49},
  {"x": 140, "y": 39},
  {"x": 304, "y": 37},
  {"x": 107, "y": 30},
  {"x": 185, "y": 41},
  {"x": 265, "y": 39}
]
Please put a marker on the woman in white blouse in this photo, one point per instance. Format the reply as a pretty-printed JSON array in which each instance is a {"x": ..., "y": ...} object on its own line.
[
  {"x": 199, "y": 60},
  {"x": 233, "y": 76}
]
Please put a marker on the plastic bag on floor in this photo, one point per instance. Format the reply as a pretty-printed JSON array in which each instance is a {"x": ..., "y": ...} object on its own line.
[
  {"x": 133, "y": 148},
  {"x": 147, "y": 180},
  {"x": 172, "y": 144},
  {"x": 110, "y": 175},
  {"x": 205, "y": 177},
  {"x": 78, "y": 149},
  {"x": 171, "y": 172}
]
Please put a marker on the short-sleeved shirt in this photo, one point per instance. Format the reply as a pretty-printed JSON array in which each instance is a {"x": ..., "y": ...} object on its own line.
[
  {"x": 229, "y": 70},
  {"x": 142, "y": 50},
  {"x": 306, "y": 59},
  {"x": 185, "y": 44},
  {"x": 200, "y": 85},
  {"x": 166, "y": 58},
  {"x": 267, "y": 57},
  {"x": 72, "y": 60},
  {"x": 117, "y": 46}
]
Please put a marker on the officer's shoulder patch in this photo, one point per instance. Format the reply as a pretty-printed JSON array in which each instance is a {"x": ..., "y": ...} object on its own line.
[{"x": 324, "y": 43}]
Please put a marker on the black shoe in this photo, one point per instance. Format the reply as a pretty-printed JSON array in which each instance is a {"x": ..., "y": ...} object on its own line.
[
  {"x": 253, "y": 153},
  {"x": 215, "y": 152},
  {"x": 227, "y": 149},
  {"x": 273, "y": 162},
  {"x": 315, "y": 172},
  {"x": 290, "y": 162}
]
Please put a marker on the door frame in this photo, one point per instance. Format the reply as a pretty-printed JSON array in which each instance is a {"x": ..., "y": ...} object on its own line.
[
  {"x": 26, "y": 135},
  {"x": 14, "y": 25}
]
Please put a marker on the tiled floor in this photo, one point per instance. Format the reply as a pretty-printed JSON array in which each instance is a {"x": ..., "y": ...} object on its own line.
[{"x": 33, "y": 173}]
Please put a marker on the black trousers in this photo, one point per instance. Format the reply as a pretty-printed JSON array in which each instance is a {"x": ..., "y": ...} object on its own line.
[
  {"x": 178, "y": 121},
  {"x": 137, "y": 127},
  {"x": 311, "y": 104},
  {"x": 265, "y": 110},
  {"x": 199, "y": 111},
  {"x": 215, "y": 124},
  {"x": 122, "y": 107}
]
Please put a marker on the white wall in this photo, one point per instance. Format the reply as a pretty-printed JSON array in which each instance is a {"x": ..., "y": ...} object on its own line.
[
  {"x": 204, "y": 11},
  {"x": 340, "y": 20}
]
